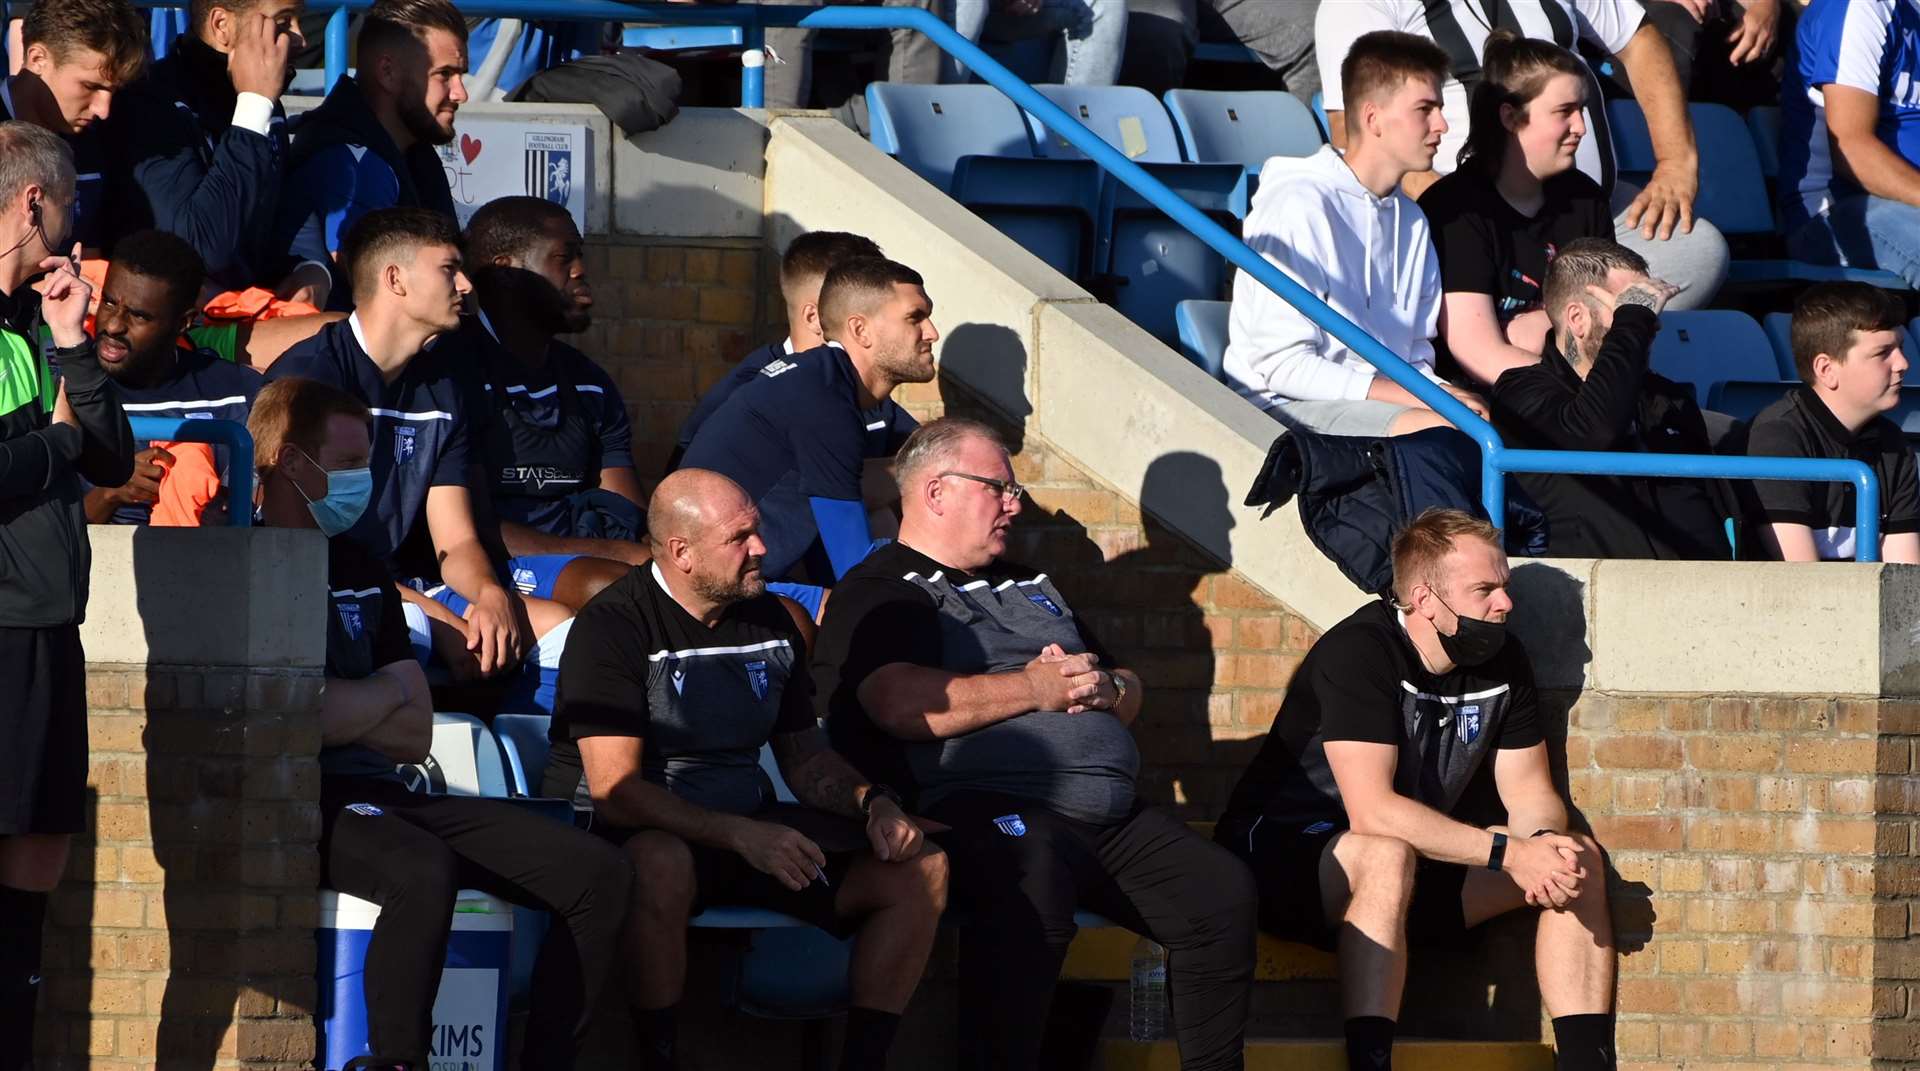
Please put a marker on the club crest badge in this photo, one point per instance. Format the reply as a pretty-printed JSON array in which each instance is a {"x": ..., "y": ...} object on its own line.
[
  {"x": 403, "y": 443},
  {"x": 1467, "y": 724},
  {"x": 350, "y": 618},
  {"x": 757, "y": 678},
  {"x": 1039, "y": 598},
  {"x": 1012, "y": 825},
  {"x": 549, "y": 167}
]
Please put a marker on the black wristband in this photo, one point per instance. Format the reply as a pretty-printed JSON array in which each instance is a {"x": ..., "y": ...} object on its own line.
[
  {"x": 876, "y": 792},
  {"x": 1498, "y": 854}
]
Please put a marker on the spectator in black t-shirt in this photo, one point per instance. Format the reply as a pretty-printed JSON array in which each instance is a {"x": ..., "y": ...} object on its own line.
[
  {"x": 970, "y": 682},
  {"x": 551, "y": 441},
  {"x": 1846, "y": 345},
  {"x": 411, "y": 853},
  {"x": 1346, "y": 814},
  {"x": 1591, "y": 390},
  {"x": 1516, "y": 198},
  {"x": 672, "y": 682}
]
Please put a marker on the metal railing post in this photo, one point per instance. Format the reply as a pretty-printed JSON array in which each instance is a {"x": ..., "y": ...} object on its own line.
[{"x": 228, "y": 433}]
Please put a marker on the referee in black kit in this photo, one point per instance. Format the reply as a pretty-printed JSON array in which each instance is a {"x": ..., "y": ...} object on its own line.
[{"x": 60, "y": 420}]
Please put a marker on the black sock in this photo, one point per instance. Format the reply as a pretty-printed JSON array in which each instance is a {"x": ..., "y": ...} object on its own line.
[
  {"x": 658, "y": 1032},
  {"x": 1583, "y": 1043},
  {"x": 1369, "y": 1043},
  {"x": 23, "y": 917},
  {"x": 869, "y": 1036}
]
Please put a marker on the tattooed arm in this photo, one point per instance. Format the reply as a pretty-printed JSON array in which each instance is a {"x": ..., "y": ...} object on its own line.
[{"x": 823, "y": 780}]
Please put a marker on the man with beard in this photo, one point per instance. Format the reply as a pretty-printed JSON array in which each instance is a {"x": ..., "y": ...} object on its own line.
[
  {"x": 797, "y": 440},
  {"x": 76, "y": 54},
  {"x": 372, "y": 143},
  {"x": 673, "y": 681},
  {"x": 201, "y": 142},
  {"x": 550, "y": 431},
  {"x": 146, "y": 304}
]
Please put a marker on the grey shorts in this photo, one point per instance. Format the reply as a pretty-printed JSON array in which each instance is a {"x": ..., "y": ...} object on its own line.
[{"x": 1364, "y": 418}]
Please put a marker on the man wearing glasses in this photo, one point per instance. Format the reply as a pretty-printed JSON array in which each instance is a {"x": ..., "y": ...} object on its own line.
[{"x": 970, "y": 686}]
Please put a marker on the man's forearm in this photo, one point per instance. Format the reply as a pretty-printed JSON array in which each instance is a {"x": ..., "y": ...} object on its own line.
[
  {"x": 522, "y": 539},
  {"x": 350, "y": 709},
  {"x": 467, "y": 570},
  {"x": 818, "y": 775},
  {"x": 1432, "y": 834},
  {"x": 1656, "y": 88},
  {"x": 1128, "y": 708},
  {"x": 1879, "y": 170},
  {"x": 921, "y": 703},
  {"x": 637, "y": 803},
  {"x": 1529, "y": 816}
]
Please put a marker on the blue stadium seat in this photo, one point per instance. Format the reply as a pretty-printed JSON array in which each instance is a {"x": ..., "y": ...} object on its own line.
[
  {"x": 1126, "y": 117},
  {"x": 1742, "y": 399},
  {"x": 1733, "y": 190},
  {"x": 523, "y": 740},
  {"x": 1763, "y": 124},
  {"x": 1203, "y": 334},
  {"x": 676, "y": 38},
  {"x": 1244, "y": 128},
  {"x": 972, "y": 143},
  {"x": 1779, "y": 329},
  {"x": 1707, "y": 346},
  {"x": 463, "y": 760}
]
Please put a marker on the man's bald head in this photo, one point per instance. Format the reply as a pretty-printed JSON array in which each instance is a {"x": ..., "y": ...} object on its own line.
[{"x": 690, "y": 501}]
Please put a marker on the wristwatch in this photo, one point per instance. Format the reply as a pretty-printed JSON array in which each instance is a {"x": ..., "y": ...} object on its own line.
[
  {"x": 875, "y": 792},
  {"x": 1498, "y": 854},
  {"x": 1119, "y": 687}
]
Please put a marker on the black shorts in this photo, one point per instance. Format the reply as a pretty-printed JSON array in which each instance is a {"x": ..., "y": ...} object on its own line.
[
  {"x": 43, "y": 731},
  {"x": 1285, "y": 860},
  {"x": 725, "y": 879}
]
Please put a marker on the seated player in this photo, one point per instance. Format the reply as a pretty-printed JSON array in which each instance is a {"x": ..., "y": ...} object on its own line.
[
  {"x": 146, "y": 304},
  {"x": 672, "y": 682},
  {"x": 798, "y": 440},
  {"x": 76, "y": 55},
  {"x": 1341, "y": 227},
  {"x": 552, "y": 443},
  {"x": 803, "y": 268},
  {"x": 1348, "y": 813},
  {"x": 373, "y": 142},
  {"x": 969, "y": 683},
  {"x": 201, "y": 142},
  {"x": 1846, "y": 346},
  {"x": 408, "y": 290},
  {"x": 411, "y": 853},
  {"x": 1591, "y": 390}
]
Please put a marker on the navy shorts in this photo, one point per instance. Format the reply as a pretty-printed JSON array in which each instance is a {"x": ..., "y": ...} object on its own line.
[{"x": 1285, "y": 860}]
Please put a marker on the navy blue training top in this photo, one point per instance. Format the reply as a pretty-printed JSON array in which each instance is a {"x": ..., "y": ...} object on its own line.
[
  {"x": 543, "y": 434},
  {"x": 794, "y": 433},
  {"x": 887, "y": 426},
  {"x": 203, "y": 386},
  {"x": 419, "y": 424}
]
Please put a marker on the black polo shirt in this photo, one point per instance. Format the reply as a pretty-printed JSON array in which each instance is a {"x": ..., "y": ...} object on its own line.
[
  {"x": 703, "y": 700},
  {"x": 1801, "y": 425},
  {"x": 365, "y": 631},
  {"x": 201, "y": 386}
]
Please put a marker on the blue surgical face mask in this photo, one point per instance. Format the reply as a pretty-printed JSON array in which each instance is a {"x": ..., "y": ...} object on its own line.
[{"x": 348, "y": 492}]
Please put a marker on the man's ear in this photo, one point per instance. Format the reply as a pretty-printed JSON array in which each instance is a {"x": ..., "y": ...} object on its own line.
[
  {"x": 36, "y": 59},
  {"x": 394, "y": 276},
  {"x": 679, "y": 553},
  {"x": 1826, "y": 371},
  {"x": 810, "y": 315},
  {"x": 859, "y": 329}
]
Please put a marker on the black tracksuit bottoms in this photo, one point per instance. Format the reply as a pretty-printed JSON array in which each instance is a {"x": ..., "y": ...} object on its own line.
[
  {"x": 1148, "y": 872},
  {"x": 412, "y": 854}
]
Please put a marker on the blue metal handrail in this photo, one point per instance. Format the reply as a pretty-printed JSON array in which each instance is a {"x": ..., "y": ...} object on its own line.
[
  {"x": 228, "y": 433},
  {"x": 1496, "y": 459}
]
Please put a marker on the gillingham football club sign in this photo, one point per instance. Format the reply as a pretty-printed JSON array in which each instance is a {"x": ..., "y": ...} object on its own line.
[{"x": 492, "y": 156}]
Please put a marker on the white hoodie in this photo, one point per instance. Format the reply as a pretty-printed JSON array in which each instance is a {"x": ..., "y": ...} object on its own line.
[{"x": 1371, "y": 258}]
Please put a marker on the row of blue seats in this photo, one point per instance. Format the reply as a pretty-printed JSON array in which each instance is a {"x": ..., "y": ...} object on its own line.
[{"x": 1735, "y": 365}]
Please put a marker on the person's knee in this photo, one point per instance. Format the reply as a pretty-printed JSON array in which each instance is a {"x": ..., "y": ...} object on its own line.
[
  {"x": 662, "y": 867},
  {"x": 1378, "y": 865},
  {"x": 1415, "y": 419},
  {"x": 930, "y": 874},
  {"x": 424, "y": 875}
]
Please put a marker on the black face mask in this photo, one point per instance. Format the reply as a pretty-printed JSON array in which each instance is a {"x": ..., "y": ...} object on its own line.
[{"x": 1473, "y": 641}]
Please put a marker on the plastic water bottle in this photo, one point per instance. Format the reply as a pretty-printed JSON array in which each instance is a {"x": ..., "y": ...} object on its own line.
[{"x": 1148, "y": 1018}]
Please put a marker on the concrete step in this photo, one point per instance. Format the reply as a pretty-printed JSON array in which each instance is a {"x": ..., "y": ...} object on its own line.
[
  {"x": 1330, "y": 1054},
  {"x": 1106, "y": 955}
]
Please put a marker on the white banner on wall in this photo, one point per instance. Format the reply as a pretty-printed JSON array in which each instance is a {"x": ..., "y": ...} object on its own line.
[{"x": 492, "y": 157}]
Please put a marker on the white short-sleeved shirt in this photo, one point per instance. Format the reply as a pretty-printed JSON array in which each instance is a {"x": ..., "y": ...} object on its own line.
[
  {"x": 1461, "y": 27},
  {"x": 1869, "y": 45}
]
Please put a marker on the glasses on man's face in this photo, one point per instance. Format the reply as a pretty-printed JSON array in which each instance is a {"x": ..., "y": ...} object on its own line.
[{"x": 1008, "y": 491}]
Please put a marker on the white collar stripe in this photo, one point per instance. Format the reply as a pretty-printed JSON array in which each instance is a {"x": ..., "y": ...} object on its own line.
[
  {"x": 208, "y": 403},
  {"x": 1468, "y": 698},
  {"x": 702, "y": 652},
  {"x": 345, "y": 593},
  {"x": 427, "y": 414}
]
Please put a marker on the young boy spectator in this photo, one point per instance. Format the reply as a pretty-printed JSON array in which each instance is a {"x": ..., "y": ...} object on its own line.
[
  {"x": 1342, "y": 228},
  {"x": 672, "y": 682},
  {"x": 1850, "y": 136},
  {"x": 798, "y": 440},
  {"x": 1656, "y": 221},
  {"x": 1347, "y": 814},
  {"x": 411, "y": 852},
  {"x": 50, "y": 439},
  {"x": 146, "y": 304},
  {"x": 77, "y": 54},
  {"x": 408, "y": 288},
  {"x": 551, "y": 435},
  {"x": 968, "y": 682},
  {"x": 1514, "y": 200},
  {"x": 372, "y": 143},
  {"x": 202, "y": 140},
  {"x": 803, "y": 268},
  {"x": 1846, "y": 346},
  {"x": 1591, "y": 390}
]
